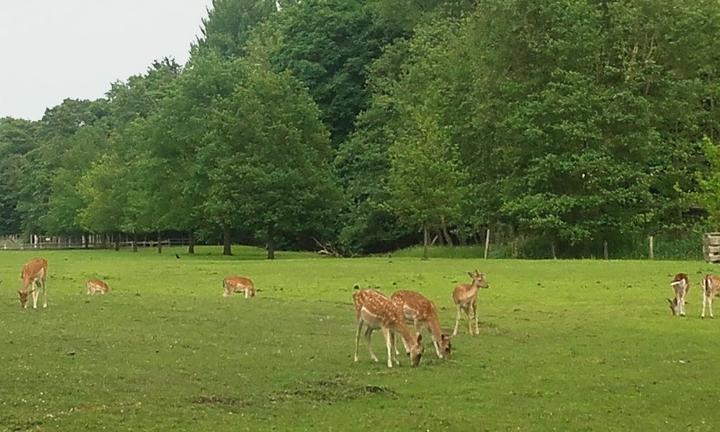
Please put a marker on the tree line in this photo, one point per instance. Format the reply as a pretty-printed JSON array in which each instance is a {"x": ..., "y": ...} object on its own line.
[{"x": 365, "y": 126}]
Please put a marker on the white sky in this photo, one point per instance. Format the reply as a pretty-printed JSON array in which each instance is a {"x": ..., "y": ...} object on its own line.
[{"x": 56, "y": 49}]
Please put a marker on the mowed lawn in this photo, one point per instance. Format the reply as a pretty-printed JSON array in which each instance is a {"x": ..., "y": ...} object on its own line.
[{"x": 564, "y": 345}]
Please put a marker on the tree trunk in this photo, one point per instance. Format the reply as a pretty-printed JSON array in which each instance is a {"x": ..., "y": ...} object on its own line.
[
  {"x": 605, "y": 249},
  {"x": 117, "y": 241},
  {"x": 446, "y": 234},
  {"x": 227, "y": 246},
  {"x": 426, "y": 239},
  {"x": 271, "y": 242},
  {"x": 191, "y": 242},
  {"x": 86, "y": 241},
  {"x": 159, "y": 237},
  {"x": 134, "y": 242},
  {"x": 552, "y": 249}
]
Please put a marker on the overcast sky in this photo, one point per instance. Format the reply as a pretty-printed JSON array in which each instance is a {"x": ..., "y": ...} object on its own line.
[{"x": 56, "y": 49}]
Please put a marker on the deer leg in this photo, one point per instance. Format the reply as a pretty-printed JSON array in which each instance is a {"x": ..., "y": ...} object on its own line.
[
  {"x": 710, "y": 302},
  {"x": 357, "y": 338},
  {"x": 704, "y": 303},
  {"x": 682, "y": 306},
  {"x": 247, "y": 293},
  {"x": 368, "y": 335},
  {"x": 35, "y": 294},
  {"x": 469, "y": 319},
  {"x": 457, "y": 321},
  {"x": 44, "y": 290},
  {"x": 393, "y": 340},
  {"x": 474, "y": 308},
  {"x": 388, "y": 343}
]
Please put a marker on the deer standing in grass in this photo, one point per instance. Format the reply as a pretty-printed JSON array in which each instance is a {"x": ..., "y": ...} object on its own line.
[
  {"x": 423, "y": 312},
  {"x": 375, "y": 311},
  {"x": 33, "y": 277},
  {"x": 680, "y": 285},
  {"x": 96, "y": 285},
  {"x": 711, "y": 289},
  {"x": 465, "y": 298},
  {"x": 233, "y": 284}
]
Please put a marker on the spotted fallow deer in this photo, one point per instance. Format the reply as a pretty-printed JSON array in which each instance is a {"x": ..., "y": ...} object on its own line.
[
  {"x": 96, "y": 285},
  {"x": 375, "y": 311},
  {"x": 711, "y": 289},
  {"x": 680, "y": 285},
  {"x": 33, "y": 277},
  {"x": 233, "y": 284},
  {"x": 465, "y": 298},
  {"x": 422, "y": 312}
]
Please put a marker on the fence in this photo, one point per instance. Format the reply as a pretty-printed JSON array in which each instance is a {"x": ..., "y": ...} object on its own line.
[{"x": 18, "y": 242}]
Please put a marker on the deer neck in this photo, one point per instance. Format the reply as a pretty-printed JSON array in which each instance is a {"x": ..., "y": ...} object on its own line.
[
  {"x": 434, "y": 326},
  {"x": 405, "y": 332}
]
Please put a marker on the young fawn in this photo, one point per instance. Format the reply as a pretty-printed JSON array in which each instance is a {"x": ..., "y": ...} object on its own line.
[
  {"x": 233, "y": 284},
  {"x": 465, "y": 298},
  {"x": 96, "y": 285},
  {"x": 33, "y": 277},
  {"x": 680, "y": 285}
]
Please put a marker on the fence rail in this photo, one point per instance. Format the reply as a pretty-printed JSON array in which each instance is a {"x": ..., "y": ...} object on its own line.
[{"x": 90, "y": 242}]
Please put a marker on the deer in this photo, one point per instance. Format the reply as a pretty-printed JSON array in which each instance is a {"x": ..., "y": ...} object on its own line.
[
  {"x": 419, "y": 310},
  {"x": 33, "y": 277},
  {"x": 96, "y": 285},
  {"x": 680, "y": 285},
  {"x": 375, "y": 311},
  {"x": 465, "y": 299},
  {"x": 711, "y": 288},
  {"x": 233, "y": 284}
]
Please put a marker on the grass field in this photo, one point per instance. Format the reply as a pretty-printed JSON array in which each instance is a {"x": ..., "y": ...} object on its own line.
[{"x": 564, "y": 345}]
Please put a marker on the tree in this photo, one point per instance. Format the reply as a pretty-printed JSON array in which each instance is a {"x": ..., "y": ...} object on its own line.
[
  {"x": 268, "y": 160},
  {"x": 425, "y": 176},
  {"x": 328, "y": 45},
  {"x": 229, "y": 22}
]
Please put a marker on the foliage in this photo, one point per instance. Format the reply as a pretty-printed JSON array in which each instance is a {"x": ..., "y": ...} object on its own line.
[{"x": 561, "y": 122}]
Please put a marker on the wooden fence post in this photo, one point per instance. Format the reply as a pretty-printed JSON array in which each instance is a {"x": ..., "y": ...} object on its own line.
[
  {"x": 487, "y": 242},
  {"x": 652, "y": 249}
]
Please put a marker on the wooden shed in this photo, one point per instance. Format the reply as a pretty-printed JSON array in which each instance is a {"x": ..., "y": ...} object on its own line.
[{"x": 711, "y": 247}]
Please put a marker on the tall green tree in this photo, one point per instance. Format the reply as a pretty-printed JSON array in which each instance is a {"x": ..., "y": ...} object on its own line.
[
  {"x": 229, "y": 23},
  {"x": 426, "y": 177}
]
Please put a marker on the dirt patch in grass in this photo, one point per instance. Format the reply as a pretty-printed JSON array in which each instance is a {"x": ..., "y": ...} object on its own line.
[
  {"x": 332, "y": 390},
  {"x": 220, "y": 401}
]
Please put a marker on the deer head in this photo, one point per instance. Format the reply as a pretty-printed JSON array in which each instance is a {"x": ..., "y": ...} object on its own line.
[
  {"x": 445, "y": 346},
  {"x": 479, "y": 279},
  {"x": 23, "y": 298},
  {"x": 416, "y": 350}
]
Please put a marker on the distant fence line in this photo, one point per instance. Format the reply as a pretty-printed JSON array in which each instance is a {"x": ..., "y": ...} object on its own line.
[{"x": 22, "y": 242}]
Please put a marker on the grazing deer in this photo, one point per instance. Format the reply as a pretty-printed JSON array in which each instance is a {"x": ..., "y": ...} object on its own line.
[
  {"x": 375, "y": 311},
  {"x": 96, "y": 285},
  {"x": 233, "y": 284},
  {"x": 421, "y": 311},
  {"x": 33, "y": 277},
  {"x": 711, "y": 289},
  {"x": 681, "y": 285},
  {"x": 465, "y": 298}
]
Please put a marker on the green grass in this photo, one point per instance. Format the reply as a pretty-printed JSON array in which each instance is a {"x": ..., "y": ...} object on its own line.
[{"x": 564, "y": 345}]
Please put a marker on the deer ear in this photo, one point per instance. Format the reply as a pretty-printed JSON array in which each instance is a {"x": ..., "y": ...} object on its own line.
[
  {"x": 444, "y": 337},
  {"x": 470, "y": 274},
  {"x": 419, "y": 338}
]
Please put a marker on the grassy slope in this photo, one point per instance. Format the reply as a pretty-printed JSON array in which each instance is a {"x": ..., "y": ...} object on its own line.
[{"x": 566, "y": 345}]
